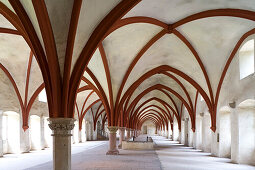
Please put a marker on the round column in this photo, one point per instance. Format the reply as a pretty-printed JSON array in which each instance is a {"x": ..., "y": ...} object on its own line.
[
  {"x": 128, "y": 133},
  {"x": 132, "y": 132},
  {"x": 122, "y": 136},
  {"x": 112, "y": 141},
  {"x": 61, "y": 128}
]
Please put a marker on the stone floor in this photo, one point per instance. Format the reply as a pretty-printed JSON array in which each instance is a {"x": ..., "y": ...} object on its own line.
[
  {"x": 91, "y": 155},
  {"x": 175, "y": 156}
]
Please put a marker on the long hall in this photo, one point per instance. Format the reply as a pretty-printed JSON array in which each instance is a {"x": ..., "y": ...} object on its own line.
[
  {"x": 167, "y": 154},
  {"x": 77, "y": 72}
]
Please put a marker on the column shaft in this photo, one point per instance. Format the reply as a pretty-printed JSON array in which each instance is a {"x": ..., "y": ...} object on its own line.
[
  {"x": 61, "y": 128},
  {"x": 122, "y": 136},
  {"x": 128, "y": 133},
  {"x": 112, "y": 141}
]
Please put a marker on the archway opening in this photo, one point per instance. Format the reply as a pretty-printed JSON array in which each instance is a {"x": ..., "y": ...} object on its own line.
[
  {"x": 35, "y": 129},
  {"x": 246, "y": 129},
  {"x": 11, "y": 132}
]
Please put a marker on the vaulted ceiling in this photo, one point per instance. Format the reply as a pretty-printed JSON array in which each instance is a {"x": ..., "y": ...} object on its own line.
[{"x": 155, "y": 58}]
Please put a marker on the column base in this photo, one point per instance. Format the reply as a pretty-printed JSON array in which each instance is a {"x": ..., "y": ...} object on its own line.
[
  {"x": 114, "y": 152},
  {"x": 120, "y": 146}
]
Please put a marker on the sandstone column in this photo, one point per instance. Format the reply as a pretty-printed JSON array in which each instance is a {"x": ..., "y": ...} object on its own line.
[
  {"x": 128, "y": 133},
  {"x": 122, "y": 136},
  {"x": 61, "y": 128},
  {"x": 112, "y": 141},
  {"x": 132, "y": 132}
]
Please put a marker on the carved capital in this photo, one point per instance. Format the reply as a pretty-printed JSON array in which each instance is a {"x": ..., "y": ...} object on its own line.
[
  {"x": 61, "y": 126},
  {"x": 112, "y": 129},
  {"x": 122, "y": 128}
]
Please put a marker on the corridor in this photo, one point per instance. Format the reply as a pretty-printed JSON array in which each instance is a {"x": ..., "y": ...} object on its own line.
[
  {"x": 175, "y": 156},
  {"x": 91, "y": 155}
]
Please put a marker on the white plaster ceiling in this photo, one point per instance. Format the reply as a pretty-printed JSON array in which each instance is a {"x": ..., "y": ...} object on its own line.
[
  {"x": 92, "y": 12},
  {"x": 14, "y": 56},
  {"x": 170, "y": 11},
  {"x": 60, "y": 15},
  {"x": 4, "y": 23},
  {"x": 28, "y": 6},
  {"x": 8, "y": 98},
  {"x": 122, "y": 46},
  {"x": 213, "y": 38},
  {"x": 97, "y": 67}
]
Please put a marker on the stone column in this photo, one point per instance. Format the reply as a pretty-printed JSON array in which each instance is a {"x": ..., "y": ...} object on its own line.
[
  {"x": 61, "y": 128},
  {"x": 80, "y": 136},
  {"x": 43, "y": 144},
  {"x": 112, "y": 141},
  {"x": 122, "y": 136},
  {"x": 132, "y": 132},
  {"x": 128, "y": 133},
  {"x": 25, "y": 142}
]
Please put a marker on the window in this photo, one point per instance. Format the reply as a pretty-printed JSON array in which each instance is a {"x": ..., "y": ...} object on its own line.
[
  {"x": 246, "y": 59},
  {"x": 43, "y": 96}
]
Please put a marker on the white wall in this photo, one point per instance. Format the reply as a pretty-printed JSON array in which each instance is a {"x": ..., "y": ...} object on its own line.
[
  {"x": 246, "y": 122},
  {"x": 151, "y": 128},
  {"x": 224, "y": 132}
]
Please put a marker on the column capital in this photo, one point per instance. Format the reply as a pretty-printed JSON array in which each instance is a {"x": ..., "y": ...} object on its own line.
[
  {"x": 113, "y": 129},
  {"x": 122, "y": 128},
  {"x": 61, "y": 126}
]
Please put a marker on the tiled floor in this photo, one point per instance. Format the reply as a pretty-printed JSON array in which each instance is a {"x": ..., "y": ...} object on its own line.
[{"x": 91, "y": 155}]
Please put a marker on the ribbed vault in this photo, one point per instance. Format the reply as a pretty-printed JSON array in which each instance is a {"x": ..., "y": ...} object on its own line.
[{"x": 126, "y": 61}]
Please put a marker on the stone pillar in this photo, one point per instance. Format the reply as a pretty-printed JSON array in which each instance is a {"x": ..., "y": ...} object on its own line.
[
  {"x": 43, "y": 143},
  {"x": 61, "y": 128},
  {"x": 132, "y": 132},
  {"x": 80, "y": 136},
  {"x": 122, "y": 136},
  {"x": 112, "y": 141},
  {"x": 128, "y": 133},
  {"x": 25, "y": 142}
]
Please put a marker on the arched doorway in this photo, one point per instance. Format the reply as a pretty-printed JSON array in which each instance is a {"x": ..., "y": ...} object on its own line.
[
  {"x": 244, "y": 137},
  {"x": 35, "y": 129},
  {"x": 11, "y": 132}
]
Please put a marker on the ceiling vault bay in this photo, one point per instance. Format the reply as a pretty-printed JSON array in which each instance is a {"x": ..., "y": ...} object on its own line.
[{"x": 136, "y": 60}]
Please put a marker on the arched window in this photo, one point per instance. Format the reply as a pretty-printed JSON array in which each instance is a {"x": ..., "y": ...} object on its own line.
[
  {"x": 246, "y": 59},
  {"x": 43, "y": 96}
]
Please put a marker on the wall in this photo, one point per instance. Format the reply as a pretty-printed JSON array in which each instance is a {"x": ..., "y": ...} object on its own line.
[{"x": 151, "y": 128}]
